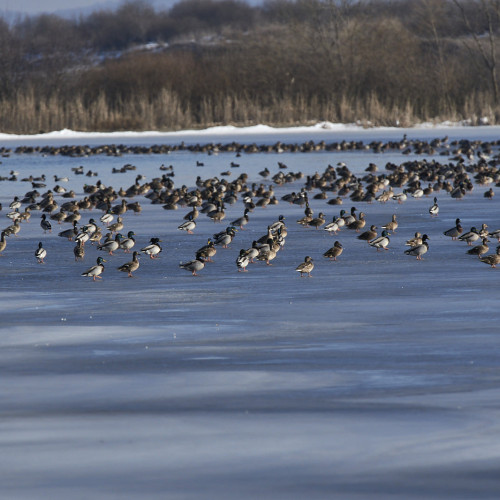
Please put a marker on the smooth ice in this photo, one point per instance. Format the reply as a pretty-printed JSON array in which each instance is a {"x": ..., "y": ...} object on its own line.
[{"x": 378, "y": 377}]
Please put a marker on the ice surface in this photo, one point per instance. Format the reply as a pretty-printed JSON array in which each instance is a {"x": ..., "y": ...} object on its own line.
[{"x": 376, "y": 378}]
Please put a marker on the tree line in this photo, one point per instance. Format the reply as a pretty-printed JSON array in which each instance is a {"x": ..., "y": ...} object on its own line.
[{"x": 207, "y": 62}]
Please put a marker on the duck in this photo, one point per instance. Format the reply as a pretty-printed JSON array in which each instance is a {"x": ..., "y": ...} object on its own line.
[
  {"x": 95, "y": 271},
  {"x": 492, "y": 260},
  {"x": 45, "y": 224},
  {"x": 252, "y": 252},
  {"x": 416, "y": 240},
  {"x": 335, "y": 251},
  {"x": 350, "y": 218},
  {"x": 434, "y": 209},
  {"x": 128, "y": 243},
  {"x": 480, "y": 250},
  {"x": 117, "y": 226},
  {"x": 305, "y": 267},
  {"x": 489, "y": 194},
  {"x": 40, "y": 253},
  {"x": 454, "y": 232},
  {"x": 107, "y": 218},
  {"x": 16, "y": 204},
  {"x": 69, "y": 233},
  {"x": 13, "y": 228},
  {"x": 391, "y": 226},
  {"x": 79, "y": 251},
  {"x": 83, "y": 235},
  {"x": 243, "y": 220},
  {"x": 495, "y": 234},
  {"x": 188, "y": 226},
  {"x": 359, "y": 223},
  {"x": 153, "y": 249},
  {"x": 400, "y": 197},
  {"x": 277, "y": 224},
  {"x": 207, "y": 251},
  {"x": 332, "y": 227},
  {"x": 470, "y": 236},
  {"x": 193, "y": 266},
  {"x": 317, "y": 222},
  {"x": 419, "y": 250},
  {"x": 130, "y": 267},
  {"x": 369, "y": 235},
  {"x": 112, "y": 245},
  {"x": 381, "y": 241},
  {"x": 267, "y": 253},
  {"x": 3, "y": 242},
  {"x": 242, "y": 260},
  {"x": 226, "y": 237},
  {"x": 192, "y": 215}
]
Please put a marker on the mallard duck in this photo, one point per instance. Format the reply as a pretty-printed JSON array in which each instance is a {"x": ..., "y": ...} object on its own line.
[
  {"x": 45, "y": 224},
  {"x": 207, "y": 251},
  {"x": 400, "y": 197},
  {"x": 193, "y": 266},
  {"x": 242, "y": 260},
  {"x": 391, "y": 226},
  {"x": 92, "y": 226},
  {"x": 332, "y": 227},
  {"x": 369, "y": 235},
  {"x": 480, "y": 250},
  {"x": 79, "y": 251},
  {"x": 192, "y": 215},
  {"x": 489, "y": 194},
  {"x": 434, "y": 209},
  {"x": 111, "y": 246},
  {"x": 117, "y": 226},
  {"x": 59, "y": 217},
  {"x": 40, "y": 253},
  {"x": 130, "y": 267},
  {"x": 267, "y": 252},
  {"x": 495, "y": 234},
  {"x": 15, "y": 204},
  {"x": 454, "y": 232},
  {"x": 416, "y": 240},
  {"x": 317, "y": 222},
  {"x": 305, "y": 267},
  {"x": 243, "y": 220},
  {"x": 225, "y": 238},
  {"x": 381, "y": 242},
  {"x": 107, "y": 218},
  {"x": 335, "y": 251},
  {"x": 219, "y": 214},
  {"x": 470, "y": 236},
  {"x": 26, "y": 215},
  {"x": 359, "y": 223},
  {"x": 252, "y": 252},
  {"x": 96, "y": 236},
  {"x": 350, "y": 218},
  {"x": 128, "y": 243},
  {"x": 3, "y": 242},
  {"x": 83, "y": 235},
  {"x": 187, "y": 226},
  {"x": 69, "y": 233},
  {"x": 278, "y": 224},
  {"x": 419, "y": 250},
  {"x": 153, "y": 249},
  {"x": 492, "y": 260},
  {"x": 14, "y": 215},
  {"x": 13, "y": 228},
  {"x": 95, "y": 271},
  {"x": 483, "y": 232}
]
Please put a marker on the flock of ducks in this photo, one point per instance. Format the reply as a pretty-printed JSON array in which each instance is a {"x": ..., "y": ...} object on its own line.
[{"x": 212, "y": 196}]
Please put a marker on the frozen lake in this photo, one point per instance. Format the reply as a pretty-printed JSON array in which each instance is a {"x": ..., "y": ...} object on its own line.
[{"x": 377, "y": 377}]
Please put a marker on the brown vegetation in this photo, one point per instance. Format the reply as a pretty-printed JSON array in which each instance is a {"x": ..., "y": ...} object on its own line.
[{"x": 283, "y": 63}]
